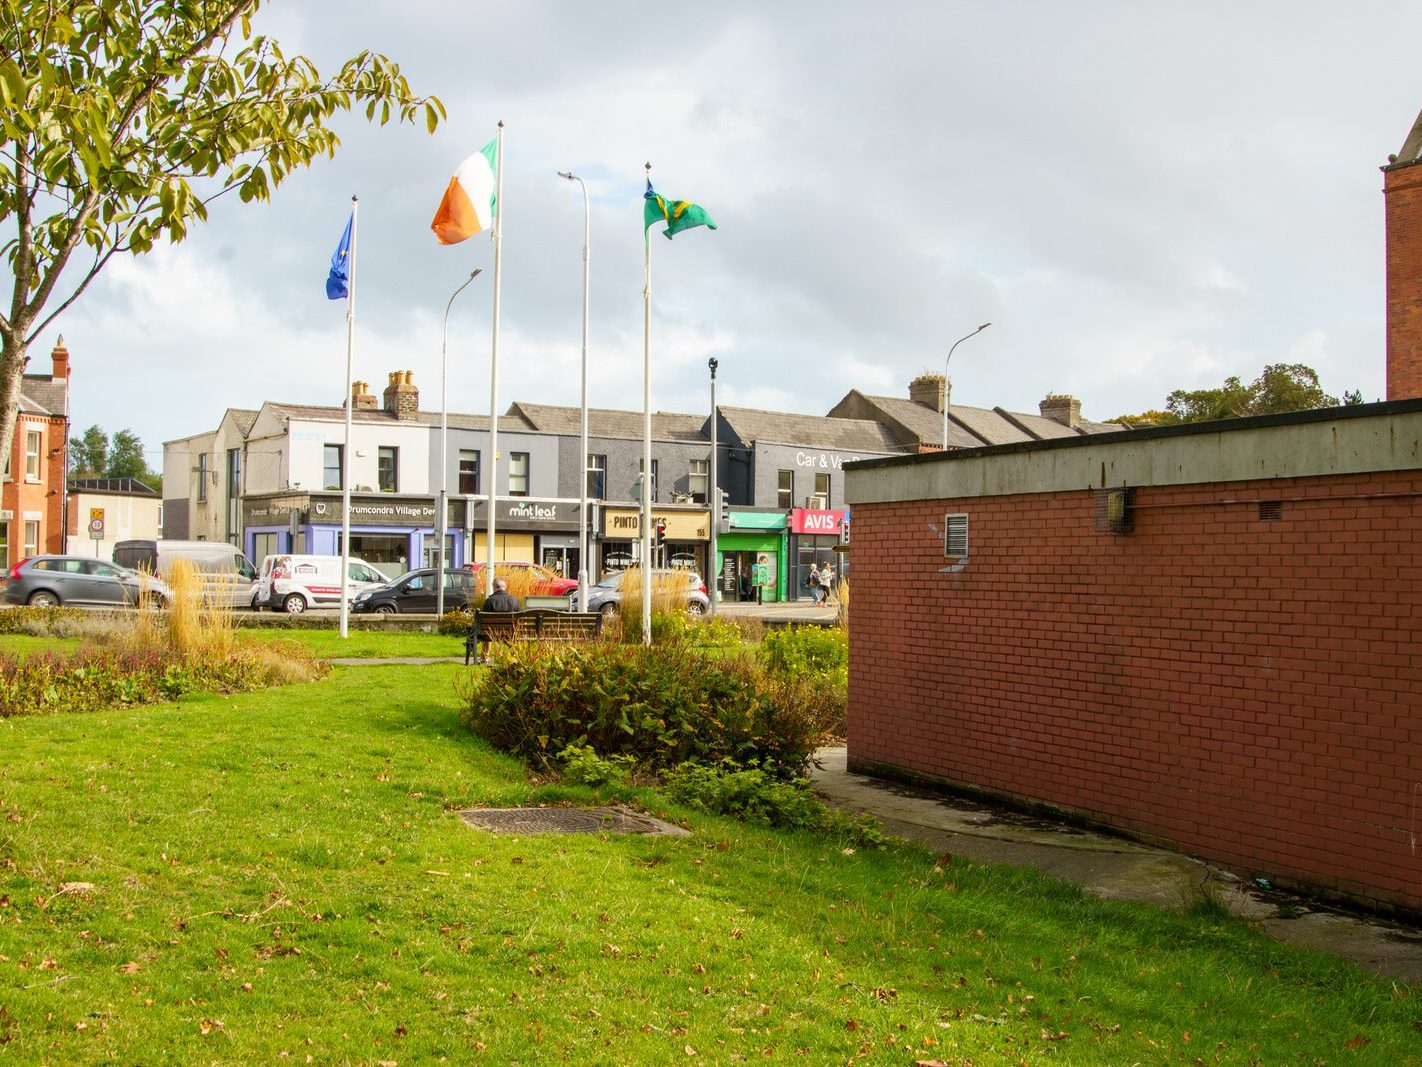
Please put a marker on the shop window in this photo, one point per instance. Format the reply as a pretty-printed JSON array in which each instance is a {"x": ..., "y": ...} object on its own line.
[
  {"x": 33, "y": 444},
  {"x": 468, "y": 471},
  {"x": 387, "y": 461},
  {"x": 202, "y": 478},
  {"x": 332, "y": 469},
  {"x": 785, "y": 494},
  {"x": 700, "y": 472},
  {"x": 518, "y": 474},
  {"x": 821, "y": 499}
]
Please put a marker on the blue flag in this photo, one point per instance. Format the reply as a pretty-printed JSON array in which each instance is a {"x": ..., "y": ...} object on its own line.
[{"x": 338, "y": 281}]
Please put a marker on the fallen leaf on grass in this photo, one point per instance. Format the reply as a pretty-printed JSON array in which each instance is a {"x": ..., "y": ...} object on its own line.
[
  {"x": 130, "y": 968},
  {"x": 1357, "y": 1041},
  {"x": 208, "y": 1026},
  {"x": 1049, "y": 1036}
]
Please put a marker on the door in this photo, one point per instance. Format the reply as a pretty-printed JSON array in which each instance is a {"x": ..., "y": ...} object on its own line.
[
  {"x": 103, "y": 584},
  {"x": 417, "y": 595}
]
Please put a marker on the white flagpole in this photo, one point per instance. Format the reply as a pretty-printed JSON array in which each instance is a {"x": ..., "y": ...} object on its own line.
[
  {"x": 647, "y": 439},
  {"x": 346, "y": 448},
  {"x": 497, "y": 238}
]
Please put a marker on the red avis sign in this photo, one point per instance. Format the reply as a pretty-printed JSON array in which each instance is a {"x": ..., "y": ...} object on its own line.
[{"x": 812, "y": 521}]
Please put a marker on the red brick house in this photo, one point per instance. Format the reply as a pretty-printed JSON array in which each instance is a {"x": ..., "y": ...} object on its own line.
[
  {"x": 1207, "y": 636},
  {"x": 32, "y": 498}
]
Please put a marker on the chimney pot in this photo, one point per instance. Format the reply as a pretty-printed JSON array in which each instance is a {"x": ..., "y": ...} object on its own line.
[
  {"x": 930, "y": 390},
  {"x": 60, "y": 358},
  {"x": 1061, "y": 408}
]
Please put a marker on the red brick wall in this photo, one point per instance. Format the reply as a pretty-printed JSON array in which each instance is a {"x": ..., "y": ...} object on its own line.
[
  {"x": 1402, "y": 192},
  {"x": 1243, "y": 690}
]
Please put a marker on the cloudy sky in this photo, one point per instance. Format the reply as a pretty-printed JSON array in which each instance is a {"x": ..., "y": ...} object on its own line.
[{"x": 1139, "y": 197}]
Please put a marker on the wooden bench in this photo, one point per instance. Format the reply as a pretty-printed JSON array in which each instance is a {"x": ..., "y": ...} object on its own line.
[{"x": 535, "y": 624}]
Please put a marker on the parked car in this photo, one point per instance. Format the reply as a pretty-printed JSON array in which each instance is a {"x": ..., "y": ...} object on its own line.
[
  {"x": 606, "y": 595},
  {"x": 228, "y": 577},
  {"x": 542, "y": 581},
  {"x": 415, "y": 593},
  {"x": 49, "y": 581},
  {"x": 292, "y": 583}
]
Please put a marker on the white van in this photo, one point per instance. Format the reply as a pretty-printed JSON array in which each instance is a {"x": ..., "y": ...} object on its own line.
[
  {"x": 293, "y": 583},
  {"x": 228, "y": 577}
]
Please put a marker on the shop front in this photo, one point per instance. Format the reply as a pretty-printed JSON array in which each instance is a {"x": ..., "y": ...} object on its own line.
[
  {"x": 530, "y": 531},
  {"x": 751, "y": 557},
  {"x": 814, "y": 535},
  {"x": 393, "y": 534},
  {"x": 680, "y": 538}
]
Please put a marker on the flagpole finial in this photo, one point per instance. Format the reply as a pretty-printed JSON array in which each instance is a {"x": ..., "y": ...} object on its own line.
[
  {"x": 501, "y": 124},
  {"x": 649, "y": 168},
  {"x": 354, "y": 198}
]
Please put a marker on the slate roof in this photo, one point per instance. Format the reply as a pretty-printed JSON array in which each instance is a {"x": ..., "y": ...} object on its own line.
[
  {"x": 971, "y": 427},
  {"x": 605, "y": 422},
  {"x": 40, "y": 394},
  {"x": 457, "y": 421},
  {"x": 818, "y": 431}
]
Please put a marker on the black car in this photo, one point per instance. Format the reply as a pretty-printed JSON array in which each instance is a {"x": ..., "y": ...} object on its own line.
[{"x": 414, "y": 593}]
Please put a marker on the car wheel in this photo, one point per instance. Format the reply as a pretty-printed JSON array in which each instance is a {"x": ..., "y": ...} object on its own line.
[
  {"x": 295, "y": 604},
  {"x": 695, "y": 607},
  {"x": 385, "y": 609},
  {"x": 44, "y": 599},
  {"x": 608, "y": 610}
]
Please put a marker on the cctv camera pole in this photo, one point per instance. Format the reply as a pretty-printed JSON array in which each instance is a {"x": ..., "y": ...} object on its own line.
[
  {"x": 346, "y": 448},
  {"x": 444, "y": 447},
  {"x": 713, "y": 496}
]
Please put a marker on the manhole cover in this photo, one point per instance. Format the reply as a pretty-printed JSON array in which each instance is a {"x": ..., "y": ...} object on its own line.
[{"x": 611, "y": 820}]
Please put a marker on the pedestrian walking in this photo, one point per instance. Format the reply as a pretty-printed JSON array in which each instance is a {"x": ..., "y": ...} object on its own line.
[
  {"x": 826, "y": 583},
  {"x": 813, "y": 582}
]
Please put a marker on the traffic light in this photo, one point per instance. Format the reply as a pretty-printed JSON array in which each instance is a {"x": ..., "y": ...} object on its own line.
[
  {"x": 725, "y": 501},
  {"x": 660, "y": 532}
]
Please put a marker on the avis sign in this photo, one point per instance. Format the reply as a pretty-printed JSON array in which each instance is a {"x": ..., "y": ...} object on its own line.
[{"x": 814, "y": 521}]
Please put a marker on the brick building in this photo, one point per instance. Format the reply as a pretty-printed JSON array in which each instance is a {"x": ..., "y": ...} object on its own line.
[
  {"x": 1402, "y": 199},
  {"x": 1206, "y": 636},
  {"x": 32, "y": 499}
]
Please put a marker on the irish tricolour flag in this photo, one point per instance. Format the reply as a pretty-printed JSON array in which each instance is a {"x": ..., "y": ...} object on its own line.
[{"x": 468, "y": 206}]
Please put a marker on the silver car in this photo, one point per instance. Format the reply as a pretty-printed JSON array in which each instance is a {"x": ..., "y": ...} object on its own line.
[
  {"x": 606, "y": 595},
  {"x": 81, "y": 581}
]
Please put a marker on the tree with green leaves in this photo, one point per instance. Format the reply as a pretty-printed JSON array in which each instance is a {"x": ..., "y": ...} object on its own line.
[
  {"x": 89, "y": 453},
  {"x": 126, "y": 457},
  {"x": 1281, "y": 387},
  {"x": 121, "y": 122}
]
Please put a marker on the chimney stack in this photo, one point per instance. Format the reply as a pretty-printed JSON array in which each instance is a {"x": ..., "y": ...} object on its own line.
[
  {"x": 361, "y": 397},
  {"x": 1063, "y": 409},
  {"x": 929, "y": 389},
  {"x": 402, "y": 399},
  {"x": 60, "y": 356},
  {"x": 1402, "y": 208}
]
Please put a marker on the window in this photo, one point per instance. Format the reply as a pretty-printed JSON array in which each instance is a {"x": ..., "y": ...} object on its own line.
[
  {"x": 786, "y": 491},
  {"x": 700, "y": 471},
  {"x": 387, "y": 459},
  {"x": 597, "y": 477},
  {"x": 33, "y": 445},
  {"x": 821, "y": 498},
  {"x": 654, "y": 478},
  {"x": 31, "y": 539},
  {"x": 518, "y": 474},
  {"x": 331, "y": 466},
  {"x": 4, "y": 542},
  {"x": 468, "y": 471},
  {"x": 202, "y": 477},
  {"x": 234, "y": 473}
]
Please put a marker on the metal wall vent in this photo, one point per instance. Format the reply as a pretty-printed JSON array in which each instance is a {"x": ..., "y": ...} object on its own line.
[
  {"x": 609, "y": 820},
  {"x": 1114, "y": 510},
  {"x": 1271, "y": 510},
  {"x": 955, "y": 535}
]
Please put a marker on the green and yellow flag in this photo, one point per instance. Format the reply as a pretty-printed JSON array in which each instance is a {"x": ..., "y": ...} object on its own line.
[{"x": 677, "y": 214}]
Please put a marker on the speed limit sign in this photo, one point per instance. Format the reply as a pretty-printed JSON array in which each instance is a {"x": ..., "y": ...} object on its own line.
[{"x": 96, "y": 523}]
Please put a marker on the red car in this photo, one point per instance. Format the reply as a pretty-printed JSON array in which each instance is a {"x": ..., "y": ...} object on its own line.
[{"x": 541, "y": 581}]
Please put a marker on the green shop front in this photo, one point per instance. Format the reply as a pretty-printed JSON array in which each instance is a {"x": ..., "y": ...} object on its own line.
[{"x": 751, "y": 553}]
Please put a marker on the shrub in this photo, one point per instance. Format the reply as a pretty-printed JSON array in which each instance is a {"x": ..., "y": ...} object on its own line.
[
  {"x": 582, "y": 765},
  {"x": 455, "y": 623},
  {"x": 816, "y": 652},
  {"x": 660, "y": 706},
  {"x": 749, "y": 794}
]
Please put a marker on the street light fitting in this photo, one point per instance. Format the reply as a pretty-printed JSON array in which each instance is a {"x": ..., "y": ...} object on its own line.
[{"x": 946, "y": 394}]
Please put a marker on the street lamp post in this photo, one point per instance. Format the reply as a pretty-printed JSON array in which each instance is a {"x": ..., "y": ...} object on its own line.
[
  {"x": 713, "y": 493},
  {"x": 583, "y": 492},
  {"x": 444, "y": 447},
  {"x": 946, "y": 394}
]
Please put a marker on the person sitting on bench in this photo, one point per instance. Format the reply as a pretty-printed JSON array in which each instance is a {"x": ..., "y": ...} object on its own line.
[{"x": 499, "y": 599}]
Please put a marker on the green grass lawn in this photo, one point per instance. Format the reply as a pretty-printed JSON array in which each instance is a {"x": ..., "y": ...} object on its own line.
[
  {"x": 25, "y": 645},
  {"x": 230, "y": 879},
  {"x": 364, "y": 644}
]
